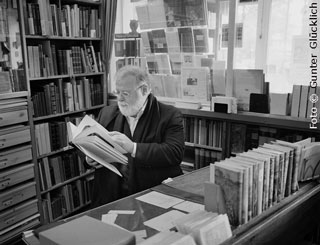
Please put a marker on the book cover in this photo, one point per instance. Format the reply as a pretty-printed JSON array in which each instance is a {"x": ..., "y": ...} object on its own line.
[
  {"x": 271, "y": 160},
  {"x": 145, "y": 42},
  {"x": 156, "y": 85},
  {"x": 172, "y": 37},
  {"x": 119, "y": 48},
  {"x": 310, "y": 167},
  {"x": 157, "y": 16},
  {"x": 279, "y": 103},
  {"x": 245, "y": 82},
  {"x": 303, "y": 101},
  {"x": 195, "y": 13},
  {"x": 186, "y": 39},
  {"x": 238, "y": 132},
  {"x": 246, "y": 169},
  {"x": 278, "y": 172},
  {"x": 143, "y": 16},
  {"x": 217, "y": 70},
  {"x": 159, "y": 41},
  {"x": 200, "y": 36},
  {"x": 284, "y": 158},
  {"x": 291, "y": 151},
  {"x": 295, "y": 103},
  {"x": 231, "y": 183},
  {"x": 163, "y": 63},
  {"x": 194, "y": 82},
  {"x": 76, "y": 232},
  {"x": 95, "y": 142},
  {"x": 5, "y": 82},
  {"x": 172, "y": 86}
]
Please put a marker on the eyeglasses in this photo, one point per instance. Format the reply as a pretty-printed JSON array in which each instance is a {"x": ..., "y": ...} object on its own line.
[{"x": 125, "y": 94}]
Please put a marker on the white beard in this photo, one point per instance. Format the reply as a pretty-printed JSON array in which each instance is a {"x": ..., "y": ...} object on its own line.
[{"x": 131, "y": 110}]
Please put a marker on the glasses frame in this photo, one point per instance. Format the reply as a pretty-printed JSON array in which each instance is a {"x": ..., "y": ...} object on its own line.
[{"x": 126, "y": 94}]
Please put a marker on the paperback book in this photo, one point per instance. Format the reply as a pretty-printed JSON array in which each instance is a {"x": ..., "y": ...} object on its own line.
[{"x": 95, "y": 142}]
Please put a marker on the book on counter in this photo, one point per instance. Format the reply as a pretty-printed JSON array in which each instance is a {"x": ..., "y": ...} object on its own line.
[
  {"x": 95, "y": 142},
  {"x": 86, "y": 230}
]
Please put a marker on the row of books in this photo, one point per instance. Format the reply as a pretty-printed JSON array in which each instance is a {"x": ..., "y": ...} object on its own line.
[
  {"x": 67, "y": 20},
  {"x": 45, "y": 60},
  {"x": 165, "y": 13},
  {"x": 245, "y": 137},
  {"x": 196, "y": 228},
  {"x": 203, "y": 157},
  {"x": 13, "y": 80},
  {"x": 57, "y": 169},
  {"x": 203, "y": 131},
  {"x": 176, "y": 40},
  {"x": 304, "y": 103},
  {"x": 66, "y": 199},
  {"x": 63, "y": 96},
  {"x": 50, "y": 136},
  {"x": 256, "y": 180}
]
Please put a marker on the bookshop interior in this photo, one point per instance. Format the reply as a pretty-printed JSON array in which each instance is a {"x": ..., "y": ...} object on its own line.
[{"x": 238, "y": 76}]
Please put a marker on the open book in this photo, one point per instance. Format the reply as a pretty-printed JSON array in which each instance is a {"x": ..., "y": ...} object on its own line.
[{"x": 95, "y": 142}]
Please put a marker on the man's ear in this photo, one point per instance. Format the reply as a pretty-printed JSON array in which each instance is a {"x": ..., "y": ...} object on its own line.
[{"x": 144, "y": 89}]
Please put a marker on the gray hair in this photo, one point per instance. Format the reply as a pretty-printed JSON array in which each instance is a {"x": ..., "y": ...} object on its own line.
[{"x": 140, "y": 74}]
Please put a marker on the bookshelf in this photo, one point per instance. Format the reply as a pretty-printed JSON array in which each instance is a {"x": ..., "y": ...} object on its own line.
[
  {"x": 265, "y": 127},
  {"x": 18, "y": 191},
  {"x": 62, "y": 43}
]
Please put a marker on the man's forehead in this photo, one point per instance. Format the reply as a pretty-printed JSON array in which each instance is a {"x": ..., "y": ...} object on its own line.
[{"x": 126, "y": 80}]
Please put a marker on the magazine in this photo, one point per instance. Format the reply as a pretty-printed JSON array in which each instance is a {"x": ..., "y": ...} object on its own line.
[{"x": 95, "y": 142}]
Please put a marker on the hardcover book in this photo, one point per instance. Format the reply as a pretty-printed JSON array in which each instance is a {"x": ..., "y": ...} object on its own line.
[
  {"x": 86, "y": 230},
  {"x": 231, "y": 183}
]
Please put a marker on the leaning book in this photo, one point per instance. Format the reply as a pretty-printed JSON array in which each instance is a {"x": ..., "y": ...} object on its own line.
[{"x": 95, "y": 142}]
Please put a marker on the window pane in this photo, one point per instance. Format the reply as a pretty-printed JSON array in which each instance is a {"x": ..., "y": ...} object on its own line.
[{"x": 289, "y": 54}]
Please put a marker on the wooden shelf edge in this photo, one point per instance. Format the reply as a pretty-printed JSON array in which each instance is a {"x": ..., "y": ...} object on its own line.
[
  {"x": 253, "y": 118},
  {"x": 14, "y": 95},
  {"x": 67, "y": 182}
]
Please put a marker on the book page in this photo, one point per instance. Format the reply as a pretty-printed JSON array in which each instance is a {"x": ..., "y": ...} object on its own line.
[
  {"x": 98, "y": 155},
  {"x": 89, "y": 126}
]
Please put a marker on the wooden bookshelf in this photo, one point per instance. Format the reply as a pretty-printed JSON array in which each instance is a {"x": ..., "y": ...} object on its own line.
[
  {"x": 61, "y": 53},
  {"x": 268, "y": 120}
]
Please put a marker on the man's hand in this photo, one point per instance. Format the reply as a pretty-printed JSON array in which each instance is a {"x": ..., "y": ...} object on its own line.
[
  {"x": 91, "y": 162},
  {"x": 122, "y": 140}
]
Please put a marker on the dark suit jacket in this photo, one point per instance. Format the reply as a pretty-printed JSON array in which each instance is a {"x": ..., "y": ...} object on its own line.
[{"x": 160, "y": 145}]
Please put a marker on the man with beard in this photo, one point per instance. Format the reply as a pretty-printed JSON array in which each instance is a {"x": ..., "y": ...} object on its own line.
[{"x": 151, "y": 133}]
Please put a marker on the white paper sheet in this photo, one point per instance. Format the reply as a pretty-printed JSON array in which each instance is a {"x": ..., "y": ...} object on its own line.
[
  {"x": 188, "y": 206},
  {"x": 159, "y": 199},
  {"x": 109, "y": 218},
  {"x": 164, "y": 221}
]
